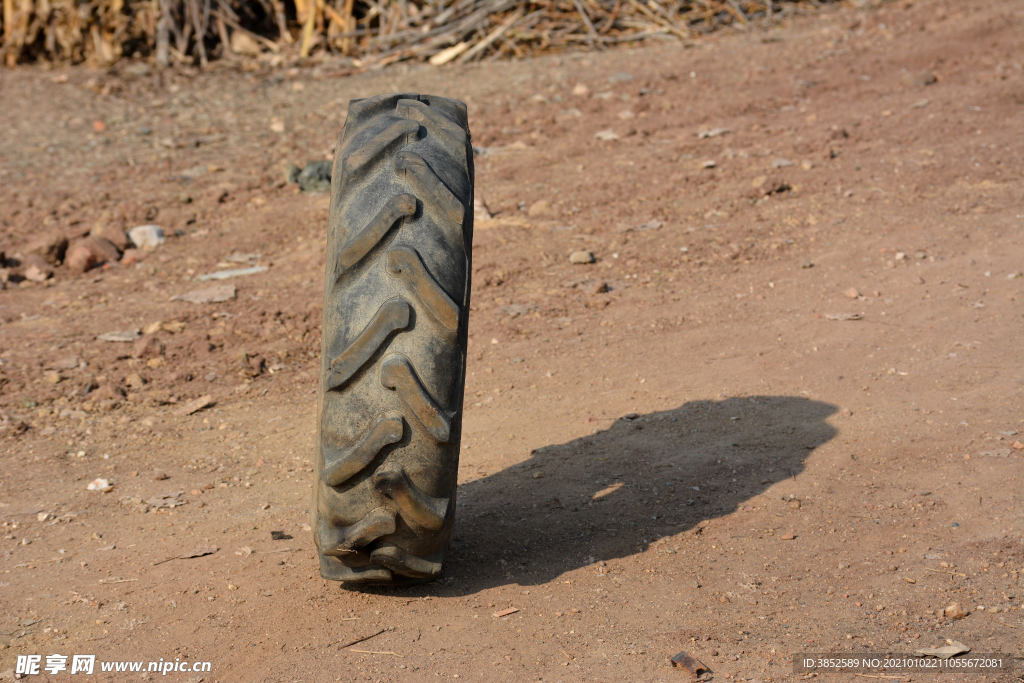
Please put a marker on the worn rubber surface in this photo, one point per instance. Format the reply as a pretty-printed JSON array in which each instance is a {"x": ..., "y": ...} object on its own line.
[{"x": 393, "y": 368}]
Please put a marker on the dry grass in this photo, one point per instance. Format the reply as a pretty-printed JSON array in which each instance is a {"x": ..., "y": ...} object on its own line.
[{"x": 369, "y": 32}]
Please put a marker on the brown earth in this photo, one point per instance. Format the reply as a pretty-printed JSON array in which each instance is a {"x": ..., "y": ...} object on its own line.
[{"x": 792, "y": 423}]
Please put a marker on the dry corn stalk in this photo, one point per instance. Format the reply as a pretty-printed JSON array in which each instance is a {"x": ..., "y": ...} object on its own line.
[{"x": 373, "y": 32}]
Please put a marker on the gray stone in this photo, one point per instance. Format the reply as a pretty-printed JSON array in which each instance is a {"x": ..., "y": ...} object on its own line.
[
  {"x": 581, "y": 257},
  {"x": 147, "y": 236},
  {"x": 316, "y": 177},
  {"x": 210, "y": 295},
  {"x": 918, "y": 79},
  {"x": 121, "y": 336}
]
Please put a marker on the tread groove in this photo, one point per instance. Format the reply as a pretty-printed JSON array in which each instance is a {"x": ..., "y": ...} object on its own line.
[
  {"x": 397, "y": 373},
  {"x": 394, "y": 315}
]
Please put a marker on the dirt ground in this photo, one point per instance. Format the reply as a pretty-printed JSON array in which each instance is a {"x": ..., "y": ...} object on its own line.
[{"x": 780, "y": 413}]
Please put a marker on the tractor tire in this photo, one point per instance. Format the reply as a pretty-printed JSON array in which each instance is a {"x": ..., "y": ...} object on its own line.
[{"x": 393, "y": 353}]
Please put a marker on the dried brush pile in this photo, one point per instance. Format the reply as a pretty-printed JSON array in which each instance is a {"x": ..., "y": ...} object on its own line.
[{"x": 370, "y": 32}]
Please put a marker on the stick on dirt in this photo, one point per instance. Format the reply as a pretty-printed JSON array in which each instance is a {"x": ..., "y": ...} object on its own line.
[{"x": 359, "y": 640}]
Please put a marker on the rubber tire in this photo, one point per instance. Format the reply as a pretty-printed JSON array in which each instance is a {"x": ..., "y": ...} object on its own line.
[{"x": 393, "y": 352}]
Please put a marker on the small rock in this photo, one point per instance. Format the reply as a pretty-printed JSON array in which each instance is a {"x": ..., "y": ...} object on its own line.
[
  {"x": 148, "y": 347},
  {"x": 710, "y": 163},
  {"x": 51, "y": 246},
  {"x": 215, "y": 294},
  {"x": 147, "y": 236},
  {"x": 852, "y": 293},
  {"x": 538, "y": 475},
  {"x": 788, "y": 537},
  {"x": 53, "y": 377},
  {"x": 316, "y": 176},
  {"x": 581, "y": 257},
  {"x": 254, "y": 365},
  {"x": 33, "y": 260},
  {"x": 113, "y": 234},
  {"x": 795, "y": 504},
  {"x": 154, "y": 363},
  {"x": 37, "y": 274},
  {"x": 42, "y": 516},
  {"x": 80, "y": 258},
  {"x": 192, "y": 173},
  {"x": 599, "y": 288},
  {"x": 781, "y": 163},
  {"x": 101, "y": 485},
  {"x": 130, "y": 257},
  {"x": 917, "y": 280},
  {"x": 122, "y": 336},
  {"x": 712, "y": 133},
  {"x": 540, "y": 208},
  {"x": 279, "y": 536},
  {"x": 607, "y": 135},
  {"x": 620, "y": 77},
  {"x": 955, "y": 611},
  {"x": 235, "y": 272},
  {"x": 580, "y": 90},
  {"x": 160, "y": 476},
  {"x": 134, "y": 381},
  {"x": 242, "y": 257},
  {"x": 918, "y": 79},
  {"x": 630, "y": 416},
  {"x": 846, "y": 412},
  {"x": 69, "y": 362},
  {"x": 195, "y": 406},
  {"x": 109, "y": 392},
  {"x": 806, "y": 263}
]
